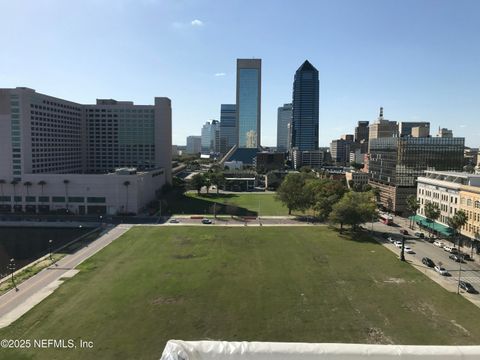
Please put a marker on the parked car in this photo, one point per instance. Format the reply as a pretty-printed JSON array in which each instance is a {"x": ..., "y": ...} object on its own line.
[
  {"x": 450, "y": 249},
  {"x": 466, "y": 257},
  {"x": 206, "y": 221},
  {"x": 420, "y": 235},
  {"x": 404, "y": 232},
  {"x": 442, "y": 271},
  {"x": 398, "y": 244},
  {"x": 385, "y": 235},
  {"x": 174, "y": 221},
  {"x": 408, "y": 250},
  {"x": 467, "y": 287},
  {"x": 391, "y": 239},
  {"x": 456, "y": 257},
  {"x": 438, "y": 243},
  {"x": 428, "y": 262}
]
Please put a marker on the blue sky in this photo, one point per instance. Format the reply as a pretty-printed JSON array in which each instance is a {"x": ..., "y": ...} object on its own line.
[{"x": 419, "y": 59}]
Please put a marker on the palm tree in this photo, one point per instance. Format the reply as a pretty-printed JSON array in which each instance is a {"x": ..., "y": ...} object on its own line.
[
  {"x": 42, "y": 183},
  {"x": 412, "y": 205},
  {"x": 14, "y": 184},
  {"x": 126, "y": 184},
  {"x": 432, "y": 213},
  {"x": 66, "y": 182},
  {"x": 2, "y": 182},
  {"x": 456, "y": 222},
  {"x": 27, "y": 185}
]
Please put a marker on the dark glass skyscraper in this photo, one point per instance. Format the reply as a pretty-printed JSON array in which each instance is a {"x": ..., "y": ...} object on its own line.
[
  {"x": 305, "y": 108},
  {"x": 249, "y": 74},
  {"x": 228, "y": 127}
]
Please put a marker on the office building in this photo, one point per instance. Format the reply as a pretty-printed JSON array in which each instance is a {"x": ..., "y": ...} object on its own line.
[
  {"x": 194, "y": 144},
  {"x": 228, "y": 127},
  {"x": 382, "y": 128},
  {"x": 451, "y": 192},
  {"x": 340, "y": 149},
  {"x": 444, "y": 133},
  {"x": 305, "y": 108},
  {"x": 361, "y": 132},
  {"x": 211, "y": 137},
  {"x": 396, "y": 162},
  {"x": 249, "y": 81},
  {"x": 54, "y": 147},
  {"x": 284, "y": 120},
  {"x": 313, "y": 159},
  {"x": 267, "y": 161},
  {"x": 405, "y": 128}
]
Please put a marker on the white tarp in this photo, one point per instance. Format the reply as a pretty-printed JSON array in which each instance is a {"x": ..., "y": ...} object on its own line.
[{"x": 215, "y": 350}]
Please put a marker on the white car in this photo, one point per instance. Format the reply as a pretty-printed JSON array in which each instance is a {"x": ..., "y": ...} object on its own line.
[
  {"x": 448, "y": 248},
  {"x": 438, "y": 243},
  {"x": 390, "y": 239},
  {"x": 174, "y": 221},
  {"x": 408, "y": 250},
  {"x": 398, "y": 244},
  {"x": 442, "y": 271}
]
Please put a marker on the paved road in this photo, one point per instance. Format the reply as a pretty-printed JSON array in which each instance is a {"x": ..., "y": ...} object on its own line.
[
  {"x": 14, "y": 304},
  {"x": 470, "y": 270},
  {"x": 225, "y": 221}
]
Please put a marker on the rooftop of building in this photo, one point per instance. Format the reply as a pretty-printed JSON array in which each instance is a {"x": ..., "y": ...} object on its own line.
[{"x": 457, "y": 177}]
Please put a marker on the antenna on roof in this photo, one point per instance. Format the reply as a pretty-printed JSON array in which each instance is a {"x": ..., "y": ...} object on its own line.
[{"x": 381, "y": 113}]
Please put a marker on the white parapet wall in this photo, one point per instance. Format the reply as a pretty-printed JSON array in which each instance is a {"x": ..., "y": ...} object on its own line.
[{"x": 216, "y": 350}]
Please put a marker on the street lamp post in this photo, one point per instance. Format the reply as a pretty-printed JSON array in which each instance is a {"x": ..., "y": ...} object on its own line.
[
  {"x": 459, "y": 274},
  {"x": 402, "y": 252},
  {"x": 50, "y": 249},
  {"x": 11, "y": 267}
]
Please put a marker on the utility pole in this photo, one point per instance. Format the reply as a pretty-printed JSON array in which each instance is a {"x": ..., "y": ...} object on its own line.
[{"x": 402, "y": 252}]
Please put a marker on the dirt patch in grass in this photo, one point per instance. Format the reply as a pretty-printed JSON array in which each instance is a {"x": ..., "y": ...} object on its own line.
[
  {"x": 394, "y": 281},
  {"x": 184, "y": 257},
  {"x": 376, "y": 336},
  {"x": 167, "y": 300}
]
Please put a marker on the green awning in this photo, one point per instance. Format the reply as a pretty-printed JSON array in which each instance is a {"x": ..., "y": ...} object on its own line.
[{"x": 432, "y": 225}]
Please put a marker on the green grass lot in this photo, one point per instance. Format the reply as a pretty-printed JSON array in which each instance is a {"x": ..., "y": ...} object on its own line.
[
  {"x": 266, "y": 284},
  {"x": 231, "y": 204}
]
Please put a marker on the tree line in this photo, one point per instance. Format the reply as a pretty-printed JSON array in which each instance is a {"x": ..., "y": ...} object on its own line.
[{"x": 327, "y": 199}]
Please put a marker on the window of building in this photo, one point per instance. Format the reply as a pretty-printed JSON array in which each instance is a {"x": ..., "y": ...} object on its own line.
[
  {"x": 30, "y": 199},
  {"x": 96, "y": 199},
  {"x": 76, "y": 199},
  {"x": 58, "y": 199}
]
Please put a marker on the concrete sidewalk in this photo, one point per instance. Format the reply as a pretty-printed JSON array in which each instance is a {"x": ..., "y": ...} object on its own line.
[{"x": 32, "y": 291}]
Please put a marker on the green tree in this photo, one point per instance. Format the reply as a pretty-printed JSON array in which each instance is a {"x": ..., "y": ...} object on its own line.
[
  {"x": 197, "y": 182},
  {"x": 354, "y": 208},
  {"x": 432, "y": 213},
  {"x": 456, "y": 222},
  {"x": 292, "y": 192},
  {"x": 412, "y": 205},
  {"x": 217, "y": 179},
  {"x": 324, "y": 193}
]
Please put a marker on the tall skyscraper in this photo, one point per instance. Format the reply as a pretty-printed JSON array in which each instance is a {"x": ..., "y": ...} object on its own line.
[
  {"x": 228, "y": 127},
  {"x": 305, "y": 108},
  {"x": 206, "y": 137},
  {"x": 249, "y": 76},
  {"x": 284, "y": 119},
  {"x": 210, "y": 137}
]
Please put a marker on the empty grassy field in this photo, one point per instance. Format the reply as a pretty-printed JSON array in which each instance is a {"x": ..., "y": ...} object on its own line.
[
  {"x": 266, "y": 284},
  {"x": 234, "y": 204}
]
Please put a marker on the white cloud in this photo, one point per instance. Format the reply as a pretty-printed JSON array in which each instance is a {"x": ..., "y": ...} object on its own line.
[
  {"x": 463, "y": 126},
  {"x": 220, "y": 74},
  {"x": 196, "y": 22}
]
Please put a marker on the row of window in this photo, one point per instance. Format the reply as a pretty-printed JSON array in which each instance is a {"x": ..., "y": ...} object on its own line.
[{"x": 55, "y": 199}]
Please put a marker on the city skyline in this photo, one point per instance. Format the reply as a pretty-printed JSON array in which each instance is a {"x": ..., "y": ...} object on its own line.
[{"x": 414, "y": 58}]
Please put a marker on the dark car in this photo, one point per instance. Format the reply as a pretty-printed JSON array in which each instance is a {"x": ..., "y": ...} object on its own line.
[
  {"x": 428, "y": 262},
  {"x": 466, "y": 257},
  {"x": 206, "y": 221},
  {"x": 456, "y": 257},
  {"x": 420, "y": 235},
  {"x": 404, "y": 232},
  {"x": 385, "y": 235},
  {"x": 467, "y": 287}
]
